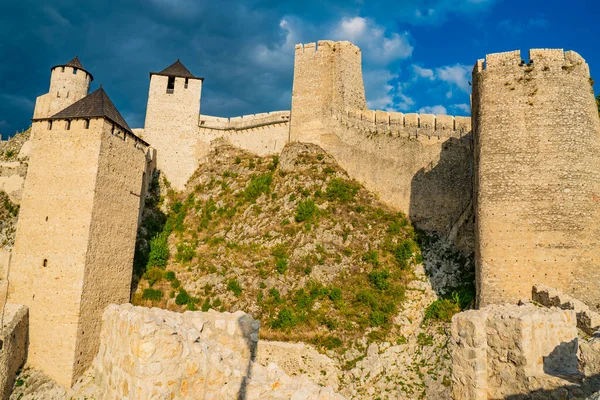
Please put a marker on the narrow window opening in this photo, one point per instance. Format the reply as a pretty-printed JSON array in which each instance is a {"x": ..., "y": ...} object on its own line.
[
  {"x": 171, "y": 84},
  {"x": 86, "y": 124},
  {"x": 45, "y": 263},
  {"x": 74, "y": 71},
  {"x": 67, "y": 95},
  {"x": 49, "y": 125},
  {"x": 46, "y": 218},
  {"x": 186, "y": 82},
  {"x": 112, "y": 130},
  {"x": 63, "y": 69},
  {"x": 68, "y": 125},
  {"x": 57, "y": 94}
]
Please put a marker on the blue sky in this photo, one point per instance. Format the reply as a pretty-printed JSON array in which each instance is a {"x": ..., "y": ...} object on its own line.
[{"x": 417, "y": 55}]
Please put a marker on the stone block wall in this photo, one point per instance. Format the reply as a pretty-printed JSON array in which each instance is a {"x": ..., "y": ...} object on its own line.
[
  {"x": 14, "y": 346},
  {"x": 76, "y": 236},
  {"x": 501, "y": 351},
  {"x": 537, "y": 180},
  {"x": 154, "y": 353}
]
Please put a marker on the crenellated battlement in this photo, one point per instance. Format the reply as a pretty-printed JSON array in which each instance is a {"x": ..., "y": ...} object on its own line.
[
  {"x": 244, "y": 122},
  {"x": 548, "y": 60},
  {"x": 325, "y": 47},
  {"x": 404, "y": 125}
]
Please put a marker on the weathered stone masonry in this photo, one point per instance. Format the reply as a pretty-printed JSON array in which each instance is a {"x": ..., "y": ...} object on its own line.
[{"x": 537, "y": 158}]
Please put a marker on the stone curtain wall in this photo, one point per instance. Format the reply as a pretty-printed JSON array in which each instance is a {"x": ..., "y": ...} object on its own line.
[
  {"x": 537, "y": 142},
  {"x": 153, "y": 353},
  {"x": 261, "y": 134},
  {"x": 501, "y": 351},
  {"x": 419, "y": 164},
  {"x": 14, "y": 346},
  {"x": 66, "y": 88}
]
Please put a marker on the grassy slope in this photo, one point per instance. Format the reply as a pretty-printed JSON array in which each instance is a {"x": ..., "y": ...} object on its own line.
[{"x": 309, "y": 252}]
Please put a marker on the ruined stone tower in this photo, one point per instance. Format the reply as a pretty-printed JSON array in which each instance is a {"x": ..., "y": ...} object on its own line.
[
  {"x": 537, "y": 179},
  {"x": 327, "y": 78},
  {"x": 172, "y": 116},
  {"x": 69, "y": 83},
  {"x": 73, "y": 253}
]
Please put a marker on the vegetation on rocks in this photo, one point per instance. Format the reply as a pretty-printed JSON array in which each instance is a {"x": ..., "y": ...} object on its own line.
[{"x": 306, "y": 250}]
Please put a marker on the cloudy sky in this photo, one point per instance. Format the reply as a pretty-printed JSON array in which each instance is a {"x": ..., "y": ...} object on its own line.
[{"x": 417, "y": 55}]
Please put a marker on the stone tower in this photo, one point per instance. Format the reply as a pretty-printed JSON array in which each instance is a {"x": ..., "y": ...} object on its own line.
[
  {"x": 73, "y": 252},
  {"x": 172, "y": 116},
  {"x": 537, "y": 178},
  {"x": 69, "y": 83},
  {"x": 327, "y": 77}
]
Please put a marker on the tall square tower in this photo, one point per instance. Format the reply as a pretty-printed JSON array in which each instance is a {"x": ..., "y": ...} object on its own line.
[{"x": 74, "y": 247}]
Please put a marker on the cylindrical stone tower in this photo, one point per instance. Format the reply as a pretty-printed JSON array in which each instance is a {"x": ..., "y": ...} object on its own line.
[
  {"x": 69, "y": 83},
  {"x": 537, "y": 179}
]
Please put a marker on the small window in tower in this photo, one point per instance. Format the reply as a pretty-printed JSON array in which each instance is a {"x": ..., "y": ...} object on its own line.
[
  {"x": 49, "y": 125},
  {"x": 112, "y": 130},
  {"x": 86, "y": 124},
  {"x": 63, "y": 69},
  {"x": 57, "y": 94},
  {"x": 74, "y": 71},
  {"x": 68, "y": 125},
  {"x": 186, "y": 82},
  {"x": 171, "y": 84},
  {"x": 45, "y": 263}
]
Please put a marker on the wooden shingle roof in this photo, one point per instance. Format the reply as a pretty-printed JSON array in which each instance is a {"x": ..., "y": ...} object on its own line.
[
  {"x": 176, "y": 69},
  {"x": 75, "y": 63},
  {"x": 96, "y": 104}
]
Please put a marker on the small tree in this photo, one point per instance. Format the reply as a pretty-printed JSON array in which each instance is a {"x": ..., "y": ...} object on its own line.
[{"x": 598, "y": 103}]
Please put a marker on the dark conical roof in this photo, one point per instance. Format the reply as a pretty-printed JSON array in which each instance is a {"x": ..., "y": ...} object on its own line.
[
  {"x": 75, "y": 63},
  {"x": 176, "y": 69},
  {"x": 96, "y": 104}
]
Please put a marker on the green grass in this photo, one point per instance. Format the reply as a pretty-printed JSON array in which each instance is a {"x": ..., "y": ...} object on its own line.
[{"x": 152, "y": 294}]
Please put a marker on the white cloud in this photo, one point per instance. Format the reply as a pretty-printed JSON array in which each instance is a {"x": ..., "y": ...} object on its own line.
[
  {"x": 378, "y": 89},
  {"x": 462, "y": 107},
  {"x": 449, "y": 94},
  {"x": 280, "y": 56},
  {"x": 379, "y": 47},
  {"x": 405, "y": 103},
  {"x": 439, "y": 109},
  {"x": 424, "y": 72},
  {"x": 456, "y": 75}
]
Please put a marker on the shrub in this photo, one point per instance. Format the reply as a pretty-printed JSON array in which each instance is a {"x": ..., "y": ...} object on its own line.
[
  {"x": 153, "y": 275},
  {"x": 335, "y": 294},
  {"x": 206, "y": 305},
  {"x": 185, "y": 252},
  {"x": 341, "y": 190},
  {"x": 285, "y": 319},
  {"x": 403, "y": 252},
  {"x": 170, "y": 276},
  {"x": 234, "y": 286},
  {"x": 152, "y": 294},
  {"x": 281, "y": 265},
  {"x": 275, "y": 295},
  {"x": 378, "y": 318},
  {"x": 328, "y": 342},
  {"x": 260, "y": 184},
  {"x": 183, "y": 298},
  {"x": 371, "y": 257},
  {"x": 305, "y": 210},
  {"x": 379, "y": 279},
  {"x": 159, "y": 250}
]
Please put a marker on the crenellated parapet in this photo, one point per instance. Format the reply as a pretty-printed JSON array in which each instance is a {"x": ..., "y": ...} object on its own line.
[
  {"x": 397, "y": 124},
  {"x": 547, "y": 60},
  {"x": 244, "y": 122}
]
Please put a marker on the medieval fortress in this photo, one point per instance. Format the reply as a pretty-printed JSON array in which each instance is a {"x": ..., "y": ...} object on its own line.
[{"x": 518, "y": 183}]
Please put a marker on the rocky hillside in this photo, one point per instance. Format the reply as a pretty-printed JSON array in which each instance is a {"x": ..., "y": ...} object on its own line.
[
  {"x": 312, "y": 255},
  {"x": 13, "y": 169}
]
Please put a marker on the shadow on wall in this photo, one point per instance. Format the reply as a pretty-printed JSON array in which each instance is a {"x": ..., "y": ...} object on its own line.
[
  {"x": 441, "y": 192},
  {"x": 252, "y": 346}
]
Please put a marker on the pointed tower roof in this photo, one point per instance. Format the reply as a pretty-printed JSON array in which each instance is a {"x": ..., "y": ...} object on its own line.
[
  {"x": 75, "y": 63},
  {"x": 96, "y": 104},
  {"x": 176, "y": 69}
]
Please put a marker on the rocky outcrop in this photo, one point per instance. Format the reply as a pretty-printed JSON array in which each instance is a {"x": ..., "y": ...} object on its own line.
[{"x": 13, "y": 339}]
